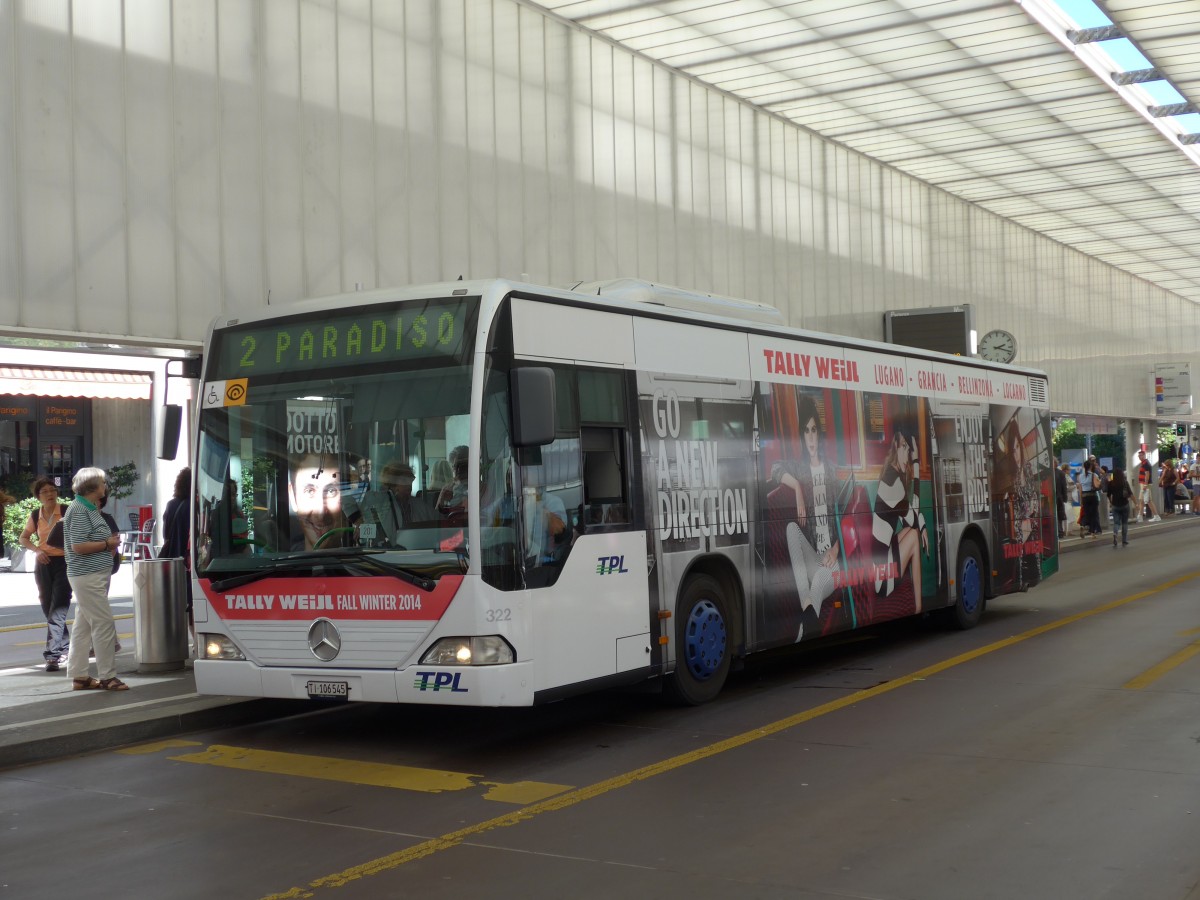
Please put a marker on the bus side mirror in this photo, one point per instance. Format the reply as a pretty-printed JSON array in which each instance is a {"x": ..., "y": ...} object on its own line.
[{"x": 532, "y": 406}]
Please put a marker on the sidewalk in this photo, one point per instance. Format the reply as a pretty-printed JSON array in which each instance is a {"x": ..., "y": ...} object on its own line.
[{"x": 41, "y": 718}]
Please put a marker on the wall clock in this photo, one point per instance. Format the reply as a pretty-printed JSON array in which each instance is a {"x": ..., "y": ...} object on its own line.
[{"x": 998, "y": 346}]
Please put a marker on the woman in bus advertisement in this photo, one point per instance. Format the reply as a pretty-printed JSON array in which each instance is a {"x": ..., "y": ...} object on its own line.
[
  {"x": 1021, "y": 497},
  {"x": 838, "y": 554},
  {"x": 813, "y": 547},
  {"x": 898, "y": 527}
]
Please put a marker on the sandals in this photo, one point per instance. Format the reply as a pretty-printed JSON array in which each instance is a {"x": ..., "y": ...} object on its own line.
[{"x": 94, "y": 684}]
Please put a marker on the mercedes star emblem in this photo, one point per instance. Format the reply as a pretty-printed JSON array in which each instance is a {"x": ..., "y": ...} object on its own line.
[{"x": 324, "y": 640}]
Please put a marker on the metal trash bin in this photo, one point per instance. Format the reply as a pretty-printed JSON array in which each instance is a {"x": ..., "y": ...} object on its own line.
[{"x": 160, "y": 623}]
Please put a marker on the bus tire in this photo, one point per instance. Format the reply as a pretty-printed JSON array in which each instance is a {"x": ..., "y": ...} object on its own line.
[
  {"x": 970, "y": 602},
  {"x": 702, "y": 643}
]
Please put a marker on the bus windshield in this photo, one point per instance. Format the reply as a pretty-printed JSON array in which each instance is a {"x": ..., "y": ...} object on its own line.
[{"x": 337, "y": 469}]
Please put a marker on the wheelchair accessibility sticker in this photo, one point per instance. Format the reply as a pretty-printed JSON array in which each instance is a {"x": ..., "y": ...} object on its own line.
[{"x": 225, "y": 393}]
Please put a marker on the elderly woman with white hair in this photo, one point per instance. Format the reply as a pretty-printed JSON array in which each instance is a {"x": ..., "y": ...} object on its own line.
[{"x": 89, "y": 547}]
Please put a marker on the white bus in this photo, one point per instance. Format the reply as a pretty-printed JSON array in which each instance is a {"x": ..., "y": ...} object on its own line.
[{"x": 490, "y": 493}]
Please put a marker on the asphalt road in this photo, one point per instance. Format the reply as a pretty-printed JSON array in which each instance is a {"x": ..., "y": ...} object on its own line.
[{"x": 1052, "y": 752}]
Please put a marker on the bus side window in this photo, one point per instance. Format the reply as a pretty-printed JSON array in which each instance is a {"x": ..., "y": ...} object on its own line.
[{"x": 604, "y": 493}]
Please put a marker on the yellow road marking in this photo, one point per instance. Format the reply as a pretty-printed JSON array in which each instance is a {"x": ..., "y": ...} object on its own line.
[
  {"x": 1154, "y": 673},
  {"x": 572, "y": 798},
  {"x": 522, "y": 791},
  {"x": 328, "y": 768},
  {"x": 1189, "y": 632}
]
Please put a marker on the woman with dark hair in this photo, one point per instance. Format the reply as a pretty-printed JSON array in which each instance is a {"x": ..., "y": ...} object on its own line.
[
  {"x": 1089, "y": 499},
  {"x": 50, "y": 573},
  {"x": 898, "y": 526},
  {"x": 1119, "y": 492},
  {"x": 177, "y": 530},
  {"x": 812, "y": 539},
  {"x": 175, "y": 520}
]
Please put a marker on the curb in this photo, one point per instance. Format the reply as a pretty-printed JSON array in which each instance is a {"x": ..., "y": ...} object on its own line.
[
  {"x": 43, "y": 741},
  {"x": 1181, "y": 521}
]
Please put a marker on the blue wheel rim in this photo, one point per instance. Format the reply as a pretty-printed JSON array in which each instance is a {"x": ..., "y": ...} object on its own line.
[
  {"x": 970, "y": 585},
  {"x": 704, "y": 640}
]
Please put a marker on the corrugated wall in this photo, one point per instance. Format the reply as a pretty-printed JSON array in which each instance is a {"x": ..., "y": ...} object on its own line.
[
  {"x": 163, "y": 162},
  {"x": 121, "y": 433}
]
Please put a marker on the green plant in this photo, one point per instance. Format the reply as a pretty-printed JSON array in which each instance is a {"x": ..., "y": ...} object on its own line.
[
  {"x": 121, "y": 480},
  {"x": 15, "y": 517},
  {"x": 16, "y": 484},
  {"x": 1067, "y": 437}
]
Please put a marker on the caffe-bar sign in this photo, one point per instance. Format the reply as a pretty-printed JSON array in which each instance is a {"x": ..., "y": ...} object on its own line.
[
  {"x": 63, "y": 415},
  {"x": 60, "y": 416}
]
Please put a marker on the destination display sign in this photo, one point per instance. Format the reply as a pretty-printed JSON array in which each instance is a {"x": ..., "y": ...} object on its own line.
[{"x": 399, "y": 333}]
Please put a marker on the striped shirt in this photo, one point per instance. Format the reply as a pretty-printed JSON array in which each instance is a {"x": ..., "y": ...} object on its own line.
[{"x": 83, "y": 523}]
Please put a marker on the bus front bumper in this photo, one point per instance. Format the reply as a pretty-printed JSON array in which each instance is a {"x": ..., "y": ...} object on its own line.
[{"x": 502, "y": 685}]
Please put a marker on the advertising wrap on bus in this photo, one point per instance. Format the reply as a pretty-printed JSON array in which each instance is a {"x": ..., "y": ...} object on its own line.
[{"x": 302, "y": 599}]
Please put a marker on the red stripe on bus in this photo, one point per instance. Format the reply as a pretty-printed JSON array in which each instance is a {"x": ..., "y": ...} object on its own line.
[{"x": 358, "y": 597}]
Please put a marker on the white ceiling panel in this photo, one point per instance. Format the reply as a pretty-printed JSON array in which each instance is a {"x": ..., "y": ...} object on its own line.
[{"x": 986, "y": 99}]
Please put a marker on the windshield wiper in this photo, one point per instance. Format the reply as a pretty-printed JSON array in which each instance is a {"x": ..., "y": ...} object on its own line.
[{"x": 363, "y": 559}]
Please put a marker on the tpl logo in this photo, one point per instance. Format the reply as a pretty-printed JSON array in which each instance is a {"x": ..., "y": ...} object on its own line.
[
  {"x": 610, "y": 565},
  {"x": 442, "y": 681}
]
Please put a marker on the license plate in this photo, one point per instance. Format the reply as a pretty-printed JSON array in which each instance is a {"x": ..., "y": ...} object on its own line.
[{"x": 337, "y": 690}]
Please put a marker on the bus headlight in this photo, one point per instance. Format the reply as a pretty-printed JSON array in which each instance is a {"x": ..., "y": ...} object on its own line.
[
  {"x": 485, "y": 650},
  {"x": 217, "y": 646}
]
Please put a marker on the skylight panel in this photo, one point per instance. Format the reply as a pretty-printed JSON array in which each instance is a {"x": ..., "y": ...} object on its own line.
[{"x": 1085, "y": 13}]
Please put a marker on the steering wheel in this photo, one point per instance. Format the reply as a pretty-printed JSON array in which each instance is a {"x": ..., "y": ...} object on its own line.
[{"x": 330, "y": 533}]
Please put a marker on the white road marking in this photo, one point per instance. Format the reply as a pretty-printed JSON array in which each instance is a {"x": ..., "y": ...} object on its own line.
[{"x": 97, "y": 712}]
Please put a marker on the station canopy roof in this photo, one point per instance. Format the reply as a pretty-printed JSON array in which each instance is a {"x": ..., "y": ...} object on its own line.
[{"x": 1008, "y": 104}]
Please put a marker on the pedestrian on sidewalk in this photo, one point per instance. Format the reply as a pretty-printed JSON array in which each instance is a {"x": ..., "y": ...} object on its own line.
[
  {"x": 1166, "y": 481},
  {"x": 1145, "y": 491},
  {"x": 5, "y": 499},
  {"x": 1060, "y": 496},
  {"x": 90, "y": 545},
  {"x": 1102, "y": 471},
  {"x": 1089, "y": 500},
  {"x": 1119, "y": 495},
  {"x": 177, "y": 530},
  {"x": 50, "y": 571}
]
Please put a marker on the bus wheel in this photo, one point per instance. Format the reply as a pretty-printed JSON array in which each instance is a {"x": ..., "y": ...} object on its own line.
[
  {"x": 701, "y": 643},
  {"x": 968, "y": 608}
]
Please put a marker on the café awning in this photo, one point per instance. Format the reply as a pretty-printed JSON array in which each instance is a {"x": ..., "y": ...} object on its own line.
[{"x": 93, "y": 383}]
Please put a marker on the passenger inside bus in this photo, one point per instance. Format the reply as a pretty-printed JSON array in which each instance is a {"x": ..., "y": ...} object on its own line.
[
  {"x": 545, "y": 523},
  {"x": 391, "y": 508},
  {"x": 440, "y": 475},
  {"x": 452, "y": 500}
]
